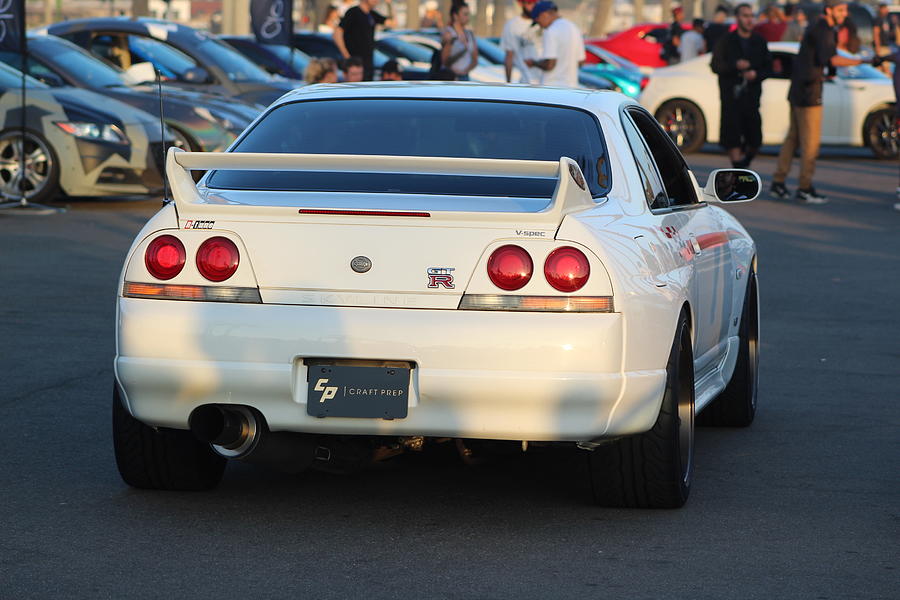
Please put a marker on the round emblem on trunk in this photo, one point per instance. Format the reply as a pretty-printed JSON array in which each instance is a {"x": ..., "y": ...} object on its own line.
[{"x": 361, "y": 264}]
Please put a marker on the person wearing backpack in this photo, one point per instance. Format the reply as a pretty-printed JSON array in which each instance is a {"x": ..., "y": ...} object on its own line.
[{"x": 459, "y": 50}]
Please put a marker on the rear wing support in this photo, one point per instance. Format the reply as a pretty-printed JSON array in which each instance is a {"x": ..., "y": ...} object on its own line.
[{"x": 571, "y": 193}]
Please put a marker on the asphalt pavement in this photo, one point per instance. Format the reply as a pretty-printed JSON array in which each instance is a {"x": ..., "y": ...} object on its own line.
[{"x": 803, "y": 504}]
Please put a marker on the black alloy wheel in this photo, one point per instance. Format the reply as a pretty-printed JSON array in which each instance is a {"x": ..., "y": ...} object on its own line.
[{"x": 685, "y": 124}]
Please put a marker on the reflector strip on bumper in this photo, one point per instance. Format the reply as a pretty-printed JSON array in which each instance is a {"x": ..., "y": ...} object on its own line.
[
  {"x": 197, "y": 293},
  {"x": 537, "y": 303}
]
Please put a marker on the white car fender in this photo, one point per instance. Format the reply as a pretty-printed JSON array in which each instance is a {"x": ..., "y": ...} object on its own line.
[{"x": 648, "y": 316}]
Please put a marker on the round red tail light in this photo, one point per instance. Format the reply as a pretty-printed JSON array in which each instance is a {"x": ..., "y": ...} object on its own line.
[
  {"x": 510, "y": 267},
  {"x": 567, "y": 269},
  {"x": 218, "y": 258},
  {"x": 165, "y": 257}
]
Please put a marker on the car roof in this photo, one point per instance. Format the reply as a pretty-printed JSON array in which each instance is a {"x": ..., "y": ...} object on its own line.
[
  {"x": 596, "y": 101},
  {"x": 144, "y": 25}
]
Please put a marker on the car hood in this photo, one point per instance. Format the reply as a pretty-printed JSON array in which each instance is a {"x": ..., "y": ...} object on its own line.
[
  {"x": 232, "y": 108},
  {"x": 85, "y": 104}
]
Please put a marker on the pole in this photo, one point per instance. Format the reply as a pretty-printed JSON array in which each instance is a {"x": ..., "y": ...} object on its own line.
[{"x": 23, "y": 201}]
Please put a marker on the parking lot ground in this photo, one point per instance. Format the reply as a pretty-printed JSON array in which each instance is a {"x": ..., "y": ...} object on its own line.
[{"x": 803, "y": 504}]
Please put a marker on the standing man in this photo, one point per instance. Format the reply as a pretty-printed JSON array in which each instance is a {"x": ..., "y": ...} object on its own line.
[
  {"x": 355, "y": 35},
  {"x": 563, "y": 47},
  {"x": 818, "y": 51},
  {"x": 521, "y": 40},
  {"x": 692, "y": 44},
  {"x": 741, "y": 59}
]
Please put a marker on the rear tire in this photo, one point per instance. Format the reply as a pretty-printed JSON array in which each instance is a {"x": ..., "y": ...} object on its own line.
[
  {"x": 161, "y": 459},
  {"x": 881, "y": 135},
  {"x": 736, "y": 405},
  {"x": 685, "y": 124},
  {"x": 654, "y": 469}
]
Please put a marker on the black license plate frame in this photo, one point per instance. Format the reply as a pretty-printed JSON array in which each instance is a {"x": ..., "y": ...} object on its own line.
[{"x": 366, "y": 391}]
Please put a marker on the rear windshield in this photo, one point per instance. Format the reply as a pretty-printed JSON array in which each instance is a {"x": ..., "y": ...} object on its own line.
[{"x": 403, "y": 127}]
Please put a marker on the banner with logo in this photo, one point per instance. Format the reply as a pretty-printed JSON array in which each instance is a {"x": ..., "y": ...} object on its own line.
[
  {"x": 12, "y": 25},
  {"x": 272, "y": 21}
]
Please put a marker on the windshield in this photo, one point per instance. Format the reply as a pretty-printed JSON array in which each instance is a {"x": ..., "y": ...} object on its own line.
[
  {"x": 297, "y": 59},
  {"x": 421, "y": 127},
  {"x": 236, "y": 66},
  {"x": 79, "y": 65},
  {"x": 172, "y": 63}
]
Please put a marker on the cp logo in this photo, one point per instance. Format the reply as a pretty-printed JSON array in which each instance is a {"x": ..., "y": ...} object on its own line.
[{"x": 327, "y": 392}]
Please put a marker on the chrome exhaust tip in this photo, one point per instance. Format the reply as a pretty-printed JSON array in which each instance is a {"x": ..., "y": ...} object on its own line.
[{"x": 232, "y": 431}]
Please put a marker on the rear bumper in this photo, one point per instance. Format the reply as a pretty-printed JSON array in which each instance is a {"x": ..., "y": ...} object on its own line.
[{"x": 490, "y": 375}]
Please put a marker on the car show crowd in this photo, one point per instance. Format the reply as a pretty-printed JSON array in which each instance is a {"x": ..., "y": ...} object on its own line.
[{"x": 212, "y": 87}]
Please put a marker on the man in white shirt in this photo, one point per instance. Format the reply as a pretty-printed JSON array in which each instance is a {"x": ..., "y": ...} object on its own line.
[
  {"x": 521, "y": 41},
  {"x": 563, "y": 47},
  {"x": 692, "y": 42}
]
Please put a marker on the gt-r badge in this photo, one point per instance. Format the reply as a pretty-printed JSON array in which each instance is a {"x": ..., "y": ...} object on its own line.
[
  {"x": 440, "y": 276},
  {"x": 361, "y": 264}
]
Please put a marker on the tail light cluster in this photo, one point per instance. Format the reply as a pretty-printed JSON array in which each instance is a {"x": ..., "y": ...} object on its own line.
[
  {"x": 566, "y": 269},
  {"x": 217, "y": 258}
]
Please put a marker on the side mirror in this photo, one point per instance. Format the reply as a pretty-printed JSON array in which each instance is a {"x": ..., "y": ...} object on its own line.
[
  {"x": 138, "y": 73},
  {"x": 195, "y": 75},
  {"x": 732, "y": 185}
]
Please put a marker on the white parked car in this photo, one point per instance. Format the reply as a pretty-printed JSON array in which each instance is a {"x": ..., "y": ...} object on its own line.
[
  {"x": 858, "y": 104},
  {"x": 379, "y": 266}
]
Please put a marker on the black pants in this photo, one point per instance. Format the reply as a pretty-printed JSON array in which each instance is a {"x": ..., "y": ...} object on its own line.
[{"x": 741, "y": 125}]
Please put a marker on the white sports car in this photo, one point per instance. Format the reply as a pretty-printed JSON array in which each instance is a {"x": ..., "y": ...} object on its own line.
[
  {"x": 858, "y": 104},
  {"x": 376, "y": 267}
]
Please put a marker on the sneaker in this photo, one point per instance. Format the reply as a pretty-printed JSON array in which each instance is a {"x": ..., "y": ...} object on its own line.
[
  {"x": 810, "y": 197},
  {"x": 779, "y": 191}
]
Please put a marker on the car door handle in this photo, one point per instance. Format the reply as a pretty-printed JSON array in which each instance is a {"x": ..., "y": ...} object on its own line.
[{"x": 696, "y": 245}]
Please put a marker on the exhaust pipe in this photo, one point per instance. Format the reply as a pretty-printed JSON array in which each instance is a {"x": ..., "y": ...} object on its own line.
[{"x": 241, "y": 432}]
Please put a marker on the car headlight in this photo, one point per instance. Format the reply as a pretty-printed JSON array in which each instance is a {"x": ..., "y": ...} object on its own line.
[{"x": 94, "y": 131}]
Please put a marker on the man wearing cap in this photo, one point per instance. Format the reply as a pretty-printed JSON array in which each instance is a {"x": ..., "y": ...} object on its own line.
[
  {"x": 563, "y": 47},
  {"x": 818, "y": 51},
  {"x": 521, "y": 40}
]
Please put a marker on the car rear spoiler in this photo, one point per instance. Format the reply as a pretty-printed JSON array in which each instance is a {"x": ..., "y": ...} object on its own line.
[{"x": 571, "y": 191}]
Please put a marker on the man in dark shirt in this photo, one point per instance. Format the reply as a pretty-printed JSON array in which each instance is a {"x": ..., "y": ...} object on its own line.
[
  {"x": 818, "y": 51},
  {"x": 355, "y": 35},
  {"x": 742, "y": 60}
]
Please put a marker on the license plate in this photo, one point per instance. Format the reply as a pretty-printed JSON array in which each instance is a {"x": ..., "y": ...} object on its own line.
[{"x": 369, "y": 392}]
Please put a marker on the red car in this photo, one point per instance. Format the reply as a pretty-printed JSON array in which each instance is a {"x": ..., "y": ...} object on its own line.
[{"x": 640, "y": 44}]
